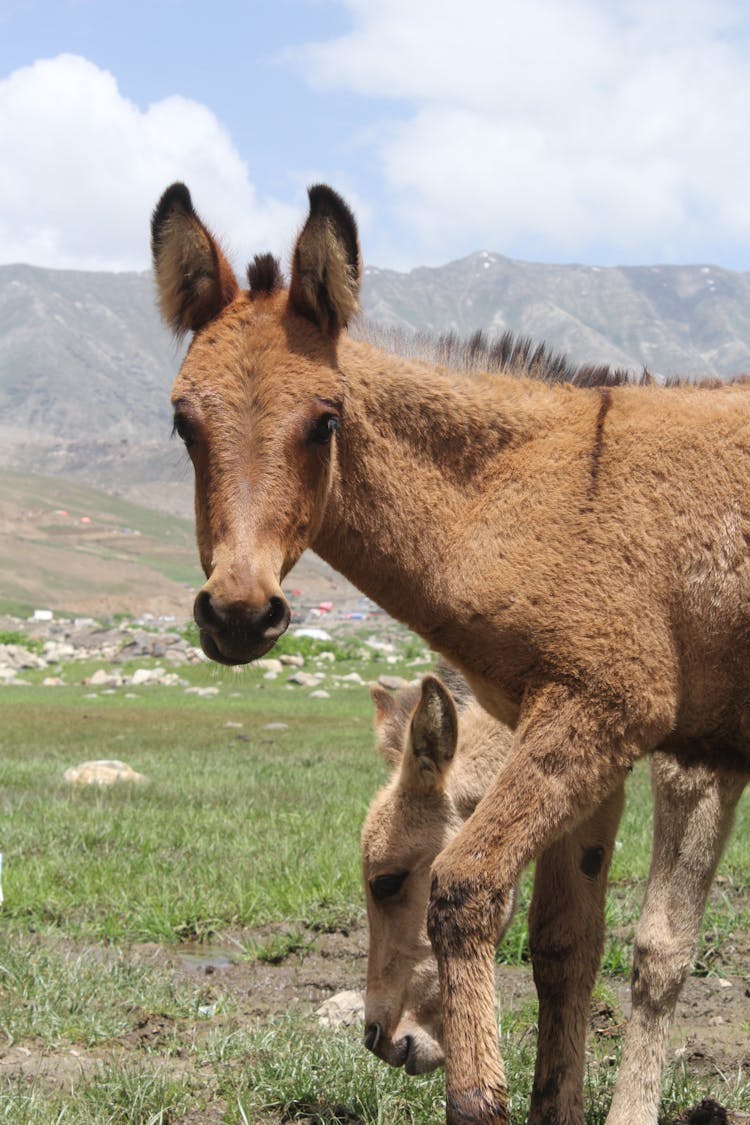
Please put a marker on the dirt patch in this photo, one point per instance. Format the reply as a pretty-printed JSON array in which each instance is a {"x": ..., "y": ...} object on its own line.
[
  {"x": 269, "y": 982},
  {"x": 710, "y": 1033}
]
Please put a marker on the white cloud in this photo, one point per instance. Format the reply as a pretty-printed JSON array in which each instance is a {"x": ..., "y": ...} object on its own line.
[
  {"x": 83, "y": 166},
  {"x": 577, "y": 129}
]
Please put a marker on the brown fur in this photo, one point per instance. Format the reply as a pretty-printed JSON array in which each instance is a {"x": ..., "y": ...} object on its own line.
[
  {"x": 407, "y": 826},
  {"x": 600, "y": 628}
]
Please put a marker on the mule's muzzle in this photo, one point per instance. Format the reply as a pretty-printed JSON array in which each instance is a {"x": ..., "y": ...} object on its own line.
[{"x": 234, "y": 633}]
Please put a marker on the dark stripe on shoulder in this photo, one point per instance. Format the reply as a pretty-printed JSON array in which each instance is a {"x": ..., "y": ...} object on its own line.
[{"x": 596, "y": 451}]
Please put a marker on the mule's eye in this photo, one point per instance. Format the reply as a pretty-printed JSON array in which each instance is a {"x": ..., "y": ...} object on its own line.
[
  {"x": 324, "y": 428},
  {"x": 184, "y": 429},
  {"x": 386, "y": 886}
]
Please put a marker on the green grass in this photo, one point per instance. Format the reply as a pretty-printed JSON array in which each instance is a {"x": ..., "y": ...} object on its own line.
[
  {"x": 12, "y": 637},
  {"x": 237, "y": 828},
  {"x": 233, "y": 828},
  {"x": 58, "y": 995}
]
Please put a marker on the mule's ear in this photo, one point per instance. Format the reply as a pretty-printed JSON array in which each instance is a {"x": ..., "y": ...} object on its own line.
[
  {"x": 433, "y": 737},
  {"x": 326, "y": 265},
  {"x": 193, "y": 278}
]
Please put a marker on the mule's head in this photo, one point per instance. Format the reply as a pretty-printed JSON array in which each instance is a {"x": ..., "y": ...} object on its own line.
[
  {"x": 258, "y": 403},
  {"x": 408, "y": 823}
]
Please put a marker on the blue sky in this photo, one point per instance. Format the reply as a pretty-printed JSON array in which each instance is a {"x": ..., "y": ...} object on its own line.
[{"x": 549, "y": 130}]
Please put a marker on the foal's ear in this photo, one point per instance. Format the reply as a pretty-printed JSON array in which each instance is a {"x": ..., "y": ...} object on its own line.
[
  {"x": 433, "y": 737},
  {"x": 193, "y": 278},
  {"x": 326, "y": 266},
  {"x": 385, "y": 703},
  {"x": 387, "y": 740}
]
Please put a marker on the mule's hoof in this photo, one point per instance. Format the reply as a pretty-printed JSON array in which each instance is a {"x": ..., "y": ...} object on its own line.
[{"x": 476, "y": 1107}]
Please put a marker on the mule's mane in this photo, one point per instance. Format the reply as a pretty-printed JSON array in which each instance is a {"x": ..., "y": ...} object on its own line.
[{"x": 510, "y": 353}]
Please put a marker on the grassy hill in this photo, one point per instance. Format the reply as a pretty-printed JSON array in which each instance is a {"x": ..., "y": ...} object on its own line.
[{"x": 70, "y": 548}]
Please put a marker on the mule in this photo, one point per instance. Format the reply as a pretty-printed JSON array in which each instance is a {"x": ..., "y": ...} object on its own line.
[
  {"x": 442, "y": 760},
  {"x": 579, "y": 553}
]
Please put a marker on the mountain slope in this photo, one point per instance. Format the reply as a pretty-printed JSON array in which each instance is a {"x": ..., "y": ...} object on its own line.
[
  {"x": 686, "y": 320},
  {"x": 83, "y": 353}
]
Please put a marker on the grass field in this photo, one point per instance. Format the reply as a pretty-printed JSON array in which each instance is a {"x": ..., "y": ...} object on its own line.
[{"x": 163, "y": 946}]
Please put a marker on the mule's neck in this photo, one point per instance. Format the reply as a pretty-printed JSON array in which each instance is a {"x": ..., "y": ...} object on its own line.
[{"x": 415, "y": 447}]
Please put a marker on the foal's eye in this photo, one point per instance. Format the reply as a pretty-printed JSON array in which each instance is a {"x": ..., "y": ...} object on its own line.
[
  {"x": 184, "y": 429},
  {"x": 386, "y": 886},
  {"x": 324, "y": 428}
]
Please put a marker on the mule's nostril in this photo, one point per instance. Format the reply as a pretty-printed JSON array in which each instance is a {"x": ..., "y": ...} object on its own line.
[
  {"x": 204, "y": 614},
  {"x": 276, "y": 615},
  {"x": 372, "y": 1036}
]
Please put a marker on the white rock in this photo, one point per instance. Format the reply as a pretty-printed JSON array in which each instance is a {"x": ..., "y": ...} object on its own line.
[
  {"x": 146, "y": 676},
  {"x": 313, "y": 633},
  {"x": 380, "y": 646},
  {"x": 351, "y": 678},
  {"x": 101, "y": 772},
  {"x": 55, "y": 651},
  {"x": 319, "y": 694},
  {"x": 305, "y": 679},
  {"x": 269, "y": 664},
  {"x": 342, "y": 1010},
  {"x": 102, "y": 678}
]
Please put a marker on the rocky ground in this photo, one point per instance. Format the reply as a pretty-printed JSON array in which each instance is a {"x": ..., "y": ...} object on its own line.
[{"x": 51, "y": 644}]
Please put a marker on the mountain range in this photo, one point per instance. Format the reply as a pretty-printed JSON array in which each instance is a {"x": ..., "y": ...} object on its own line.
[{"x": 86, "y": 365}]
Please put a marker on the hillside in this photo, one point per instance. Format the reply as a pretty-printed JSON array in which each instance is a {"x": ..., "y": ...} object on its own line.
[{"x": 75, "y": 550}]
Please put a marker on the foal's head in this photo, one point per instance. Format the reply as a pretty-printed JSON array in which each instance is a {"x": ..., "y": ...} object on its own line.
[
  {"x": 258, "y": 404},
  {"x": 408, "y": 824},
  {"x": 444, "y": 751}
]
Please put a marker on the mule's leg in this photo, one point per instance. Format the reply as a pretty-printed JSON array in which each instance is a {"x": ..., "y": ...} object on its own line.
[
  {"x": 693, "y": 812},
  {"x": 569, "y": 756},
  {"x": 566, "y": 932}
]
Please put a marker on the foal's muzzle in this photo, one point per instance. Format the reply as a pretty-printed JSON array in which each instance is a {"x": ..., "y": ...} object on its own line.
[
  {"x": 416, "y": 1053},
  {"x": 235, "y": 633}
]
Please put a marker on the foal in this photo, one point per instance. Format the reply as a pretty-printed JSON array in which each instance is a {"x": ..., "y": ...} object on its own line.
[
  {"x": 443, "y": 760},
  {"x": 580, "y": 553}
]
